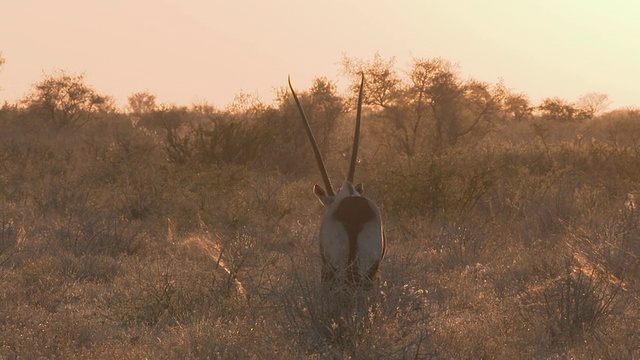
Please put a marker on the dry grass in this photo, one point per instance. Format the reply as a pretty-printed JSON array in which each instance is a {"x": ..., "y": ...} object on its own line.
[{"x": 109, "y": 247}]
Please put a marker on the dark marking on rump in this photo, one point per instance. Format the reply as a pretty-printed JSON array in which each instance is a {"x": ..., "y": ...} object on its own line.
[{"x": 353, "y": 212}]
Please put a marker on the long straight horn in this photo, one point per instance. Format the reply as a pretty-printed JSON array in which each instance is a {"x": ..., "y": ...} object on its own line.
[
  {"x": 356, "y": 136},
  {"x": 314, "y": 144}
]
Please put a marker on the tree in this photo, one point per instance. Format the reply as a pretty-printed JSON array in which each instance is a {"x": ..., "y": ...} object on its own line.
[
  {"x": 66, "y": 101},
  {"x": 245, "y": 103},
  {"x": 434, "y": 96},
  {"x": 142, "y": 103},
  {"x": 457, "y": 107},
  {"x": 384, "y": 89},
  {"x": 557, "y": 109},
  {"x": 323, "y": 107},
  {"x": 593, "y": 104},
  {"x": 517, "y": 107},
  {"x": 382, "y": 84}
]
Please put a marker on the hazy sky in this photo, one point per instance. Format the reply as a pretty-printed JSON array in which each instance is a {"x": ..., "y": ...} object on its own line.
[{"x": 187, "y": 51}]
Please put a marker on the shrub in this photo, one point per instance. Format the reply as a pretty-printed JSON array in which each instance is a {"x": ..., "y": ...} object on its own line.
[
  {"x": 576, "y": 303},
  {"x": 66, "y": 101}
]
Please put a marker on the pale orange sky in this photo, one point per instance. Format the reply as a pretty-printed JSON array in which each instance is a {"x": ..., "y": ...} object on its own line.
[{"x": 195, "y": 50}]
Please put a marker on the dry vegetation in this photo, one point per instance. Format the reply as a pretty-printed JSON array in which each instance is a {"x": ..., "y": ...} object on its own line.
[{"x": 190, "y": 233}]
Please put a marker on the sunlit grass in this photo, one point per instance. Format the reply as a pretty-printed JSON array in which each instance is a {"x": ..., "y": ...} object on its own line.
[{"x": 118, "y": 240}]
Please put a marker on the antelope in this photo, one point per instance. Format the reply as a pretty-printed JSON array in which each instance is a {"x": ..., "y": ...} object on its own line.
[{"x": 352, "y": 242}]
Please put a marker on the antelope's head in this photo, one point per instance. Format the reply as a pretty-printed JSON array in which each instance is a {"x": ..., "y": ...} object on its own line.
[{"x": 351, "y": 234}]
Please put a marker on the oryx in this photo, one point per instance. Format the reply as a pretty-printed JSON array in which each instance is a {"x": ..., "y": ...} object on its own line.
[{"x": 352, "y": 240}]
